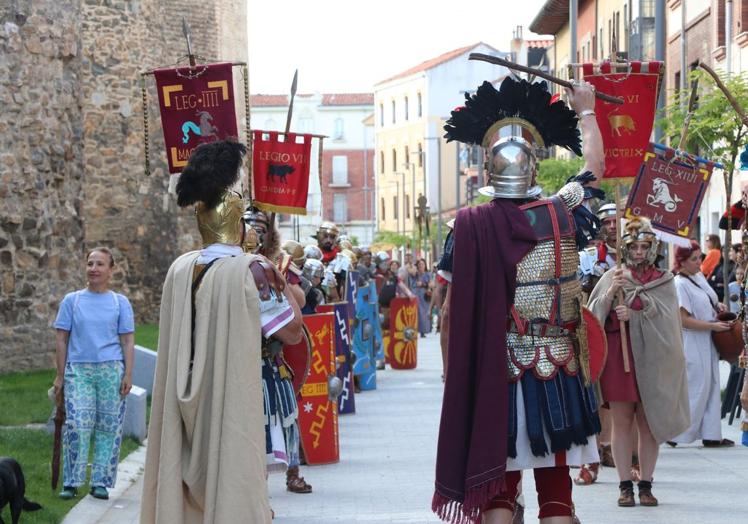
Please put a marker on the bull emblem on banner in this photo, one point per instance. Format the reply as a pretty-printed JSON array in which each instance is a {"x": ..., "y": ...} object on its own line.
[
  {"x": 661, "y": 195},
  {"x": 281, "y": 171},
  {"x": 620, "y": 123}
]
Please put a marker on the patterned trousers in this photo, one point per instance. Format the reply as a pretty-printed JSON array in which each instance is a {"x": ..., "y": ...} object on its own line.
[{"x": 93, "y": 406}]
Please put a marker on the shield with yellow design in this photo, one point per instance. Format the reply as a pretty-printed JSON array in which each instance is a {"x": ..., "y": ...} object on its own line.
[
  {"x": 403, "y": 340},
  {"x": 318, "y": 412}
]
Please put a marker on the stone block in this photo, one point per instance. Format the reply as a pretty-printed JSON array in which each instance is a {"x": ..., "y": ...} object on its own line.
[
  {"x": 135, "y": 411},
  {"x": 144, "y": 368}
]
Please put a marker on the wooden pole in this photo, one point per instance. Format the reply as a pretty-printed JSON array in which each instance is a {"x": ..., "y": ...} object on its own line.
[
  {"x": 730, "y": 98},
  {"x": 619, "y": 295},
  {"x": 542, "y": 74}
]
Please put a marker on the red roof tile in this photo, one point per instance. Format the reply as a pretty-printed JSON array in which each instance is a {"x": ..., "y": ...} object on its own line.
[
  {"x": 429, "y": 64},
  {"x": 539, "y": 43},
  {"x": 348, "y": 99},
  {"x": 268, "y": 100}
]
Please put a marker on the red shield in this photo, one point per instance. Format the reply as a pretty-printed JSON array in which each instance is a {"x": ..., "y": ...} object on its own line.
[
  {"x": 403, "y": 344},
  {"x": 597, "y": 343},
  {"x": 318, "y": 416},
  {"x": 299, "y": 358}
]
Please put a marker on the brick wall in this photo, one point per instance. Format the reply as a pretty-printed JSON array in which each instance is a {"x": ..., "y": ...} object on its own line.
[
  {"x": 359, "y": 201},
  {"x": 700, "y": 42}
]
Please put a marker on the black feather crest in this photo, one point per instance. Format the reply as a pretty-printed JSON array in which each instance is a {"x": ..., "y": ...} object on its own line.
[
  {"x": 211, "y": 170},
  {"x": 555, "y": 122}
]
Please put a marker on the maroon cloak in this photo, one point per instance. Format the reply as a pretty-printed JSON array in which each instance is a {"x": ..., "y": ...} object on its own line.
[{"x": 490, "y": 240}]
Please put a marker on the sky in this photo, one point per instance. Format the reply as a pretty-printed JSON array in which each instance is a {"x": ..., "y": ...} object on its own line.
[{"x": 348, "y": 46}]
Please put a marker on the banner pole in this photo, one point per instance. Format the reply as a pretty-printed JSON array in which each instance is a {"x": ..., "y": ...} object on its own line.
[{"x": 619, "y": 295}]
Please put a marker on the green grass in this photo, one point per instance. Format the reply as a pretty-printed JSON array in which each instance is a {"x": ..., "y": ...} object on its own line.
[
  {"x": 33, "y": 450},
  {"x": 24, "y": 401},
  {"x": 24, "y": 397},
  {"x": 146, "y": 335}
]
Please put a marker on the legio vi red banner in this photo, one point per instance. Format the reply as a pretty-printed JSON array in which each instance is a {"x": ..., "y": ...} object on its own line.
[
  {"x": 625, "y": 128},
  {"x": 281, "y": 171},
  {"x": 668, "y": 190},
  {"x": 318, "y": 416},
  {"x": 197, "y": 106}
]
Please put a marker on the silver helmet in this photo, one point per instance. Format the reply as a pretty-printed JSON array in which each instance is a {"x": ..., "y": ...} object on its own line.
[
  {"x": 639, "y": 229},
  {"x": 513, "y": 125},
  {"x": 313, "y": 268},
  {"x": 313, "y": 252},
  {"x": 606, "y": 211}
]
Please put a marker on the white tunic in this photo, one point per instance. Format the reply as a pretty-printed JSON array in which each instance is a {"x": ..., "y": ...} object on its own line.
[
  {"x": 702, "y": 361},
  {"x": 575, "y": 456}
]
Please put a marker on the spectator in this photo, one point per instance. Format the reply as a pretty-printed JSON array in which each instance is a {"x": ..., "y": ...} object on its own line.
[
  {"x": 713, "y": 255},
  {"x": 95, "y": 352},
  {"x": 734, "y": 290},
  {"x": 421, "y": 287},
  {"x": 717, "y": 280},
  {"x": 698, "y": 311}
]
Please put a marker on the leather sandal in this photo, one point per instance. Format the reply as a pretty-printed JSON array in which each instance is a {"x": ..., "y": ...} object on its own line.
[
  {"x": 587, "y": 474},
  {"x": 724, "y": 443},
  {"x": 606, "y": 456},
  {"x": 626, "y": 498},
  {"x": 645, "y": 494},
  {"x": 295, "y": 483}
]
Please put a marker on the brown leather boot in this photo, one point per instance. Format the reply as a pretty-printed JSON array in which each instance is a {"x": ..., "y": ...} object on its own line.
[
  {"x": 626, "y": 499},
  {"x": 645, "y": 494}
]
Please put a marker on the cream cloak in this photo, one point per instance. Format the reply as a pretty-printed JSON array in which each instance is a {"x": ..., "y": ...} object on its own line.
[
  {"x": 657, "y": 347},
  {"x": 206, "y": 443}
]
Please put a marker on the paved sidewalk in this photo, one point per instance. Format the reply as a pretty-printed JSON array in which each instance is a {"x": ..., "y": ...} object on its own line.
[{"x": 386, "y": 471}]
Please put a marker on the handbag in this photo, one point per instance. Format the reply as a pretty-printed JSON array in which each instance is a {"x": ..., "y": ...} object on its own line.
[{"x": 729, "y": 343}]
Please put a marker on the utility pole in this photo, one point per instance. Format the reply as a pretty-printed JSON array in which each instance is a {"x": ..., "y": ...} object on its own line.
[{"x": 573, "y": 10}]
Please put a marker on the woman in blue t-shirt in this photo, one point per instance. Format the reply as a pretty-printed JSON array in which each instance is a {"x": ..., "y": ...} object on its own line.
[{"x": 95, "y": 351}]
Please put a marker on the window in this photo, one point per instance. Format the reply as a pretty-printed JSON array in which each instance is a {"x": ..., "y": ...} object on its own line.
[
  {"x": 338, "y": 133},
  {"x": 394, "y": 160},
  {"x": 381, "y": 162},
  {"x": 407, "y": 206},
  {"x": 381, "y": 115},
  {"x": 407, "y": 157},
  {"x": 340, "y": 208},
  {"x": 420, "y": 155},
  {"x": 420, "y": 109},
  {"x": 384, "y": 209},
  {"x": 340, "y": 170},
  {"x": 406, "y": 107},
  {"x": 394, "y": 107},
  {"x": 394, "y": 206}
]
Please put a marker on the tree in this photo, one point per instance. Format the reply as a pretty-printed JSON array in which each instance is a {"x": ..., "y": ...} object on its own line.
[
  {"x": 715, "y": 129},
  {"x": 554, "y": 172}
]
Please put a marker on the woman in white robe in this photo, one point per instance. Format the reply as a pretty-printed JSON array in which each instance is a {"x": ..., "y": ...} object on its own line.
[{"x": 698, "y": 307}]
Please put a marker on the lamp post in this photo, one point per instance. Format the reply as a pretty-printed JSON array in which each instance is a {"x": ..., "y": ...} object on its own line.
[{"x": 438, "y": 139}]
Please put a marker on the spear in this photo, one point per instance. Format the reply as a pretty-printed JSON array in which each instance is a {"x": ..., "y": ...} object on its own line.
[{"x": 537, "y": 72}]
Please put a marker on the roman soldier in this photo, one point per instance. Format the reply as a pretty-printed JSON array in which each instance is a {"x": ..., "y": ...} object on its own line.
[
  {"x": 600, "y": 256},
  {"x": 517, "y": 393},
  {"x": 282, "y": 437}
]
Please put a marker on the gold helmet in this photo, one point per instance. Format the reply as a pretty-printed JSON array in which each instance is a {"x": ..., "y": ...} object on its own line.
[
  {"x": 206, "y": 182},
  {"x": 639, "y": 229},
  {"x": 296, "y": 251}
]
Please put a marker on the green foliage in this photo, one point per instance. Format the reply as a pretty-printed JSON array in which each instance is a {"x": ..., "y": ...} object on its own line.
[
  {"x": 390, "y": 237},
  {"x": 33, "y": 450},
  {"x": 24, "y": 396},
  {"x": 146, "y": 335},
  {"x": 715, "y": 130},
  {"x": 553, "y": 173}
]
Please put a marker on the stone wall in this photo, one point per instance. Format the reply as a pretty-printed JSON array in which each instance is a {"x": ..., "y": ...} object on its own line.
[{"x": 71, "y": 152}]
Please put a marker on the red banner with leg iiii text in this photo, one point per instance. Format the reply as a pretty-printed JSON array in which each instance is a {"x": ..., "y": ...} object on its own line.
[{"x": 197, "y": 106}]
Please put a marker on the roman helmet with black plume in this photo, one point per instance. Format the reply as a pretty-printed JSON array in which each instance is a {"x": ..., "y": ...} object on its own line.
[{"x": 514, "y": 125}]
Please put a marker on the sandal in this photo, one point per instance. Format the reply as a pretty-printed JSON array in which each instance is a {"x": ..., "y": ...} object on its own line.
[
  {"x": 587, "y": 474},
  {"x": 645, "y": 494},
  {"x": 626, "y": 498},
  {"x": 295, "y": 483},
  {"x": 724, "y": 443},
  {"x": 606, "y": 456}
]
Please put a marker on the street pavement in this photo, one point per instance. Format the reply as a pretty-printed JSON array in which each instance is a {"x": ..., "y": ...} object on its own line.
[{"x": 386, "y": 470}]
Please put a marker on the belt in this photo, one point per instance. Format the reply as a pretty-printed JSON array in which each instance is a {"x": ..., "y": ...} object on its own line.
[{"x": 542, "y": 329}]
